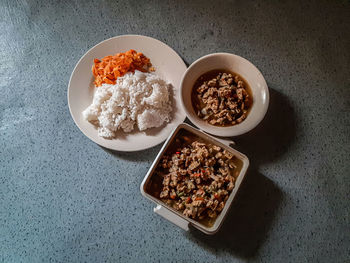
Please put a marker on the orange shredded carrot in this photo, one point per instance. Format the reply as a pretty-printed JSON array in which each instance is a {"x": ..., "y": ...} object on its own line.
[{"x": 109, "y": 68}]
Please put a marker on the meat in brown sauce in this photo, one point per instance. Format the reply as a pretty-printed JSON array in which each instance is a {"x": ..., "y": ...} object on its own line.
[
  {"x": 197, "y": 178},
  {"x": 221, "y": 98}
]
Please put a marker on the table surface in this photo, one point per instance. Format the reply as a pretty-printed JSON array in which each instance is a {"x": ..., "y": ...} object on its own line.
[{"x": 65, "y": 199}]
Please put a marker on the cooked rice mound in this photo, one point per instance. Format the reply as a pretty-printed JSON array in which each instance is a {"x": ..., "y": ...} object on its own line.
[{"x": 140, "y": 99}]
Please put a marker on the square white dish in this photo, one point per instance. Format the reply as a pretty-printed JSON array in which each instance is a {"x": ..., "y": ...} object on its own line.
[{"x": 175, "y": 216}]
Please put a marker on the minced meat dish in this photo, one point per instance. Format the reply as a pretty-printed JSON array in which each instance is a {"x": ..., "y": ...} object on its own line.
[
  {"x": 221, "y": 98},
  {"x": 197, "y": 178}
]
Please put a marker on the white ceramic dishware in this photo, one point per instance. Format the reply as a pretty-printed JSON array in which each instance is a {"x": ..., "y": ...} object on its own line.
[
  {"x": 169, "y": 66},
  {"x": 234, "y": 64},
  {"x": 175, "y": 216}
]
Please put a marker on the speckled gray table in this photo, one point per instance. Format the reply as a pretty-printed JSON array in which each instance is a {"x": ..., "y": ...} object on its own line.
[{"x": 65, "y": 199}]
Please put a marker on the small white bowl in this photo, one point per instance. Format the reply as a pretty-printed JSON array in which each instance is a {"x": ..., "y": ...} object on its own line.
[{"x": 240, "y": 66}]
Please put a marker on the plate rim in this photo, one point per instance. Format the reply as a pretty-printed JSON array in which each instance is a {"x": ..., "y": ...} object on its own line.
[{"x": 75, "y": 68}]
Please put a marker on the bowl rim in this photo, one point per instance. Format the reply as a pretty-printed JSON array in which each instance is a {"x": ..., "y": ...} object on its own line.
[{"x": 228, "y": 131}]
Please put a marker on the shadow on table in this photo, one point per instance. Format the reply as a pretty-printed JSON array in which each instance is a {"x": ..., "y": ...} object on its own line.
[
  {"x": 274, "y": 135},
  {"x": 248, "y": 221},
  {"x": 251, "y": 215}
]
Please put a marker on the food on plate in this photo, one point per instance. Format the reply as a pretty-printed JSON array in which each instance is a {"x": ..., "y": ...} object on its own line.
[
  {"x": 109, "y": 68},
  {"x": 136, "y": 99},
  {"x": 195, "y": 177},
  {"x": 221, "y": 98},
  {"x": 127, "y": 96}
]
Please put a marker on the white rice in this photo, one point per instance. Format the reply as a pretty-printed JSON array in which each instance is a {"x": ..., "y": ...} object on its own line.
[{"x": 140, "y": 98}]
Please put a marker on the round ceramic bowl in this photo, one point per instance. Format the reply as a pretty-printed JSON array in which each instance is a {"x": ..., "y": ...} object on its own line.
[{"x": 237, "y": 65}]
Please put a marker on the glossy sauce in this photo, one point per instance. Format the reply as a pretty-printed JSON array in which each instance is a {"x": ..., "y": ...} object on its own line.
[
  {"x": 198, "y": 105},
  {"x": 183, "y": 138}
]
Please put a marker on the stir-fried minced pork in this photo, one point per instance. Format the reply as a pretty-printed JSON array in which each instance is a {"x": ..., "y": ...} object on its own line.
[
  {"x": 197, "y": 178},
  {"x": 222, "y": 100}
]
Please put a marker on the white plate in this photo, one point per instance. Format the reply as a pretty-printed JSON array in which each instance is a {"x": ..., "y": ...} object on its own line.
[{"x": 168, "y": 65}]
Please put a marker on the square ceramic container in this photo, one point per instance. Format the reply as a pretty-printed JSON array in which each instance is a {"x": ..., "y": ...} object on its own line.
[{"x": 175, "y": 216}]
